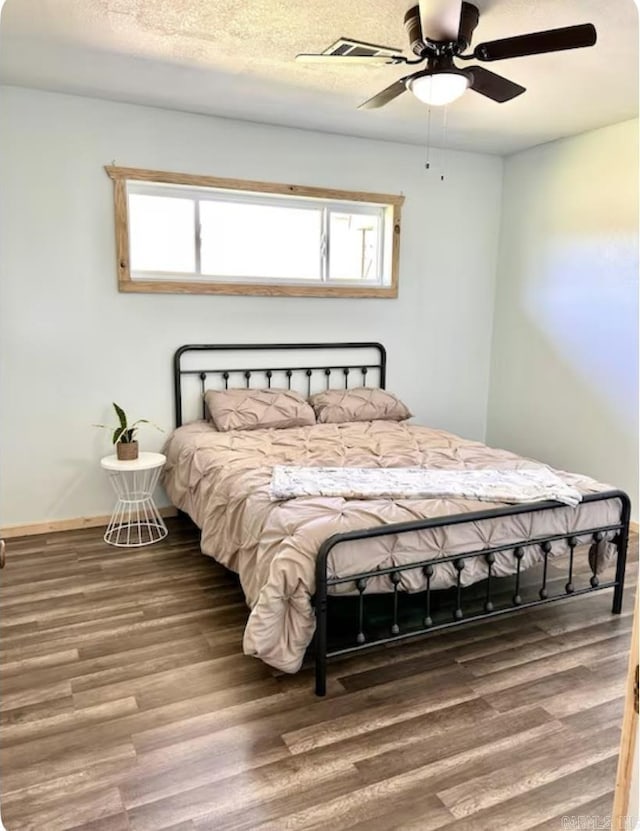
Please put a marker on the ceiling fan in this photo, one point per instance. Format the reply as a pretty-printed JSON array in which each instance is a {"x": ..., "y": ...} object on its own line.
[{"x": 439, "y": 31}]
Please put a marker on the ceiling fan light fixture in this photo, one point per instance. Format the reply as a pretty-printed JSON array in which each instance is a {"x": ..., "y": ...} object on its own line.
[{"x": 439, "y": 88}]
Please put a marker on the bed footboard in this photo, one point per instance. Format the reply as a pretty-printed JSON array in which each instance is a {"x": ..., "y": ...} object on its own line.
[{"x": 393, "y": 627}]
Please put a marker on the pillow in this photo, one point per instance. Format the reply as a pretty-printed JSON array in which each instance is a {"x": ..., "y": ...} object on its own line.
[
  {"x": 358, "y": 404},
  {"x": 249, "y": 409}
]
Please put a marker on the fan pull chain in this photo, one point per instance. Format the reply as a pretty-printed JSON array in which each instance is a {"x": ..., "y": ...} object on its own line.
[
  {"x": 444, "y": 142},
  {"x": 427, "y": 161}
]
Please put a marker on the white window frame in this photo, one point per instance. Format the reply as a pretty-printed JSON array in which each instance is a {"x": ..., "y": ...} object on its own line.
[{"x": 385, "y": 207}]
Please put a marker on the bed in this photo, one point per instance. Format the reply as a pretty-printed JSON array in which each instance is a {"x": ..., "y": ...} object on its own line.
[{"x": 332, "y": 575}]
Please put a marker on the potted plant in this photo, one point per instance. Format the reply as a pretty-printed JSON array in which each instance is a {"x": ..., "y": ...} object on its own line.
[{"x": 124, "y": 435}]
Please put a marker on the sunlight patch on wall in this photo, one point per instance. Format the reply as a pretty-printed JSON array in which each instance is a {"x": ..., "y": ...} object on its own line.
[{"x": 582, "y": 299}]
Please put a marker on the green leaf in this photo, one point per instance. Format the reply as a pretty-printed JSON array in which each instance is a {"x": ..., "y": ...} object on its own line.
[
  {"x": 123, "y": 436},
  {"x": 121, "y": 416},
  {"x": 146, "y": 421}
]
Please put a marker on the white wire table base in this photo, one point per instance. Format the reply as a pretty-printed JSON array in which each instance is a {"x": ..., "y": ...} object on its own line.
[{"x": 135, "y": 520}]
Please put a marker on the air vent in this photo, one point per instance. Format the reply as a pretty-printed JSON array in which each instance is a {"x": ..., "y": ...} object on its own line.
[{"x": 356, "y": 48}]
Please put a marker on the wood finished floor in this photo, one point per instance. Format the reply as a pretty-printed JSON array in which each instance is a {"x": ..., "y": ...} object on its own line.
[{"x": 127, "y": 704}]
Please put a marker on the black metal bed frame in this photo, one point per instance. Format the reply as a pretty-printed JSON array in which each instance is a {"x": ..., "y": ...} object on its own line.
[
  {"x": 619, "y": 529},
  {"x": 289, "y": 370}
]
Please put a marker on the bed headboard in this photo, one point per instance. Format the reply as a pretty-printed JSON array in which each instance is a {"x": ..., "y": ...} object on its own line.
[{"x": 305, "y": 367}]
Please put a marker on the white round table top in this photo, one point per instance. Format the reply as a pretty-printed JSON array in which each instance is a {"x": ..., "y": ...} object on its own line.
[{"x": 145, "y": 461}]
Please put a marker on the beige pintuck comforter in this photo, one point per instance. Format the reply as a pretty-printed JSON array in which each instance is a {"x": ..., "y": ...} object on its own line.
[{"x": 222, "y": 481}]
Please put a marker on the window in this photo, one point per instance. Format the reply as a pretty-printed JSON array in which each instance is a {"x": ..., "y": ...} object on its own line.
[{"x": 183, "y": 233}]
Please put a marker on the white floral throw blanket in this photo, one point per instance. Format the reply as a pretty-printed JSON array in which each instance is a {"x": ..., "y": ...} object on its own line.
[{"x": 511, "y": 486}]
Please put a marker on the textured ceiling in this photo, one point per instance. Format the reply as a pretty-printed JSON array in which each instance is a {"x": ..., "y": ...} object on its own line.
[{"x": 235, "y": 58}]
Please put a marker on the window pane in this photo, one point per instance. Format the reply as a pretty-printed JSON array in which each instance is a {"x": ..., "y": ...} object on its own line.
[
  {"x": 243, "y": 240},
  {"x": 353, "y": 246},
  {"x": 161, "y": 233}
]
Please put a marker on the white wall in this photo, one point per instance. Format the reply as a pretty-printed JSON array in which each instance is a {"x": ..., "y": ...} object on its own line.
[
  {"x": 564, "y": 377},
  {"x": 70, "y": 343}
]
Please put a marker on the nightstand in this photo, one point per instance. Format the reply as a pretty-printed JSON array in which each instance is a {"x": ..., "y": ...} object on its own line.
[{"x": 135, "y": 520}]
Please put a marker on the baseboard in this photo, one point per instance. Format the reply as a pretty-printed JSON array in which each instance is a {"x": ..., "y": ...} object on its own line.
[{"x": 75, "y": 524}]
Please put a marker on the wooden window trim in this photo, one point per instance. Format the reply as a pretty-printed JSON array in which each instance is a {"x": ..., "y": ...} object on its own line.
[{"x": 120, "y": 175}]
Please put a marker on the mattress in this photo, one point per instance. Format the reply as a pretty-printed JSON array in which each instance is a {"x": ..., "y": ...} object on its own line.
[{"x": 222, "y": 481}]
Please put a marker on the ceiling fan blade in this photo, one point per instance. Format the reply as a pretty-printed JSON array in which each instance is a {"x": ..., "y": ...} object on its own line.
[
  {"x": 537, "y": 43},
  {"x": 414, "y": 30},
  {"x": 493, "y": 86},
  {"x": 384, "y": 96},
  {"x": 354, "y": 60},
  {"x": 440, "y": 19}
]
